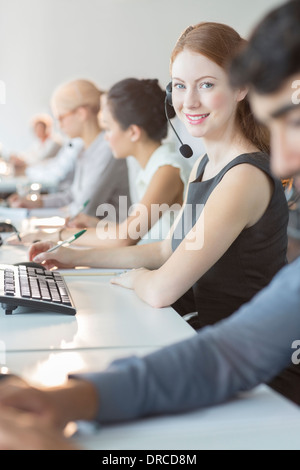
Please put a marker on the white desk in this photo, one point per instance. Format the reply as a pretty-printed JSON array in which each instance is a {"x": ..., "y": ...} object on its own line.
[
  {"x": 107, "y": 316},
  {"x": 260, "y": 419},
  {"x": 9, "y": 184},
  {"x": 26, "y": 220},
  {"x": 112, "y": 322},
  {"x": 51, "y": 368}
]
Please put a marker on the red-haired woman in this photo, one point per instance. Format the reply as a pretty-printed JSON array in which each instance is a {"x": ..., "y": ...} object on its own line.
[{"x": 218, "y": 257}]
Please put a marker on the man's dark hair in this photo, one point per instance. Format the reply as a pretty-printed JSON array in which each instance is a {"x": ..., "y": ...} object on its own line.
[{"x": 272, "y": 53}]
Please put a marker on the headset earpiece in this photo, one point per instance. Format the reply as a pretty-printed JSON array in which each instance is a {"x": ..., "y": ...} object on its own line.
[{"x": 169, "y": 93}]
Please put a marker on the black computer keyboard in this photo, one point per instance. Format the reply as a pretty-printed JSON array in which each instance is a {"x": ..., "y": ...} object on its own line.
[{"x": 34, "y": 288}]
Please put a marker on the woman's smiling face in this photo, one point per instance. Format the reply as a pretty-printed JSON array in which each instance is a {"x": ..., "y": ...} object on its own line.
[{"x": 202, "y": 97}]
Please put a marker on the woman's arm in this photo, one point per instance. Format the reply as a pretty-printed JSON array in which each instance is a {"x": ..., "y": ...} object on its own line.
[
  {"x": 151, "y": 255},
  {"x": 165, "y": 190},
  {"x": 236, "y": 203},
  {"x": 82, "y": 220}
]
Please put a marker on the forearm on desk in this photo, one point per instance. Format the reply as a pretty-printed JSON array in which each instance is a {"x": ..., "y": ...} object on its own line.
[
  {"x": 89, "y": 239},
  {"x": 150, "y": 255},
  {"x": 235, "y": 355}
]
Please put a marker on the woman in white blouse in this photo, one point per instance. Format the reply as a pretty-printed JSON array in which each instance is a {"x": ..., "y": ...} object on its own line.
[{"x": 133, "y": 115}]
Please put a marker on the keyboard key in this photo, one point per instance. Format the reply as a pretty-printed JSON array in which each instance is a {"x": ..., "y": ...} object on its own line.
[
  {"x": 35, "y": 294},
  {"x": 55, "y": 295},
  {"x": 65, "y": 300},
  {"x": 31, "y": 271},
  {"x": 46, "y": 296},
  {"x": 25, "y": 293},
  {"x": 40, "y": 271},
  {"x": 62, "y": 291},
  {"x": 9, "y": 276},
  {"x": 8, "y": 286}
]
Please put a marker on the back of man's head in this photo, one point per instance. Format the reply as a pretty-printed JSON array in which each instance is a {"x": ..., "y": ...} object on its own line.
[{"x": 272, "y": 54}]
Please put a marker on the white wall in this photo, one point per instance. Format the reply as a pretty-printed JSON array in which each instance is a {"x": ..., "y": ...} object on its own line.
[{"x": 45, "y": 42}]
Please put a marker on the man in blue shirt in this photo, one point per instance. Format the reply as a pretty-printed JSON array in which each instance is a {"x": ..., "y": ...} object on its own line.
[{"x": 252, "y": 346}]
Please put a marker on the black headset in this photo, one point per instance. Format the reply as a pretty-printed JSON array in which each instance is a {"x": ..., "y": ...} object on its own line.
[
  {"x": 169, "y": 94},
  {"x": 184, "y": 149}
]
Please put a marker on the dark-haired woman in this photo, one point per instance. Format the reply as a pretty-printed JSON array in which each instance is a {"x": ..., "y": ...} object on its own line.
[
  {"x": 221, "y": 256},
  {"x": 133, "y": 116}
]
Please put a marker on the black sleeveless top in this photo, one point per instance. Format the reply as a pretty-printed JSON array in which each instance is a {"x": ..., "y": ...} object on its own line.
[{"x": 249, "y": 263}]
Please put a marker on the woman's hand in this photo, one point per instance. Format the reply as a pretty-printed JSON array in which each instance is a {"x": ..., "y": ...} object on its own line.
[
  {"x": 82, "y": 221},
  {"x": 129, "y": 278},
  {"x": 61, "y": 258}
]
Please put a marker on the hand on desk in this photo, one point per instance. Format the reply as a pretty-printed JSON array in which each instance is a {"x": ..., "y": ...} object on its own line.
[
  {"x": 18, "y": 164},
  {"x": 17, "y": 201},
  {"x": 62, "y": 258},
  {"x": 25, "y": 431},
  {"x": 31, "y": 237},
  {"x": 82, "y": 221},
  {"x": 16, "y": 393},
  {"x": 128, "y": 279},
  {"x": 32, "y": 418}
]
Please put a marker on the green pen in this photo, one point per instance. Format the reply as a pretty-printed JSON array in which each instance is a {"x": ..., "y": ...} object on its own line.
[
  {"x": 68, "y": 241},
  {"x": 18, "y": 234},
  {"x": 80, "y": 209}
]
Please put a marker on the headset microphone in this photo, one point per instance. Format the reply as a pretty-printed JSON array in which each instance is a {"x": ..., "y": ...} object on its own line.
[{"x": 185, "y": 149}]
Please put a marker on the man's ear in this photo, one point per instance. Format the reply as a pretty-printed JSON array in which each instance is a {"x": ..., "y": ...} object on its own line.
[
  {"x": 135, "y": 132},
  {"x": 82, "y": 112},
  {"x": 242, "y": 93}
]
